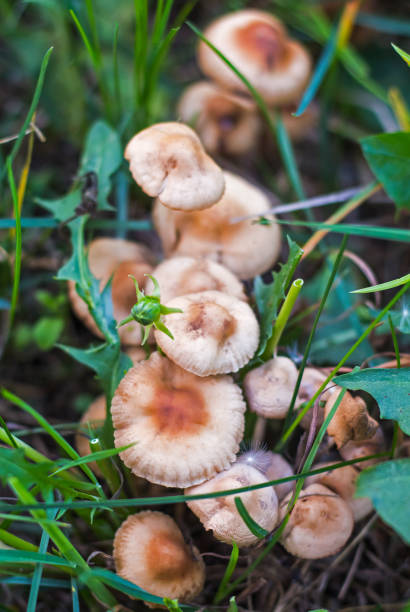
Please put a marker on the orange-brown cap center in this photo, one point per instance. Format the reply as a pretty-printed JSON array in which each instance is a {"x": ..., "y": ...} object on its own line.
[
  {"x": 263, "y": 42},
  {"x": 123, "y": 288},
  {"x": 210, "y": 319},
  {"x": 167, "y": 557},
  {"x": 177, "y": 412}
]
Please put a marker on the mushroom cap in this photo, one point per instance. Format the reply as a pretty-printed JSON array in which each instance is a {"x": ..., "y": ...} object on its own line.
[
  {"x": 319, "y": 525},
  {"x": 185, "y": 428},
  {"x": 272, "y": 465},
  {"x": 245, "y": 248},
  {"x": 298, "y": 128},
  {"x": 220, "y": 515},
  {"x": 356, "y": 450},
  {"x": 311, "y": 381},
  {"x": 182, "y": 275},
  {"x": 351, "y": 421},
  {"x": 257, "y": 45},
  {"x": 117, "y": 258},
  {"x": 226, "y": 123},
  {"x": 167, "y": 160},
  {"x": 269, "y": 387},
  {"x": 343, "y": 482},
  {"x": 150, "y": 551},
  {"x": 214, "y": 334}
]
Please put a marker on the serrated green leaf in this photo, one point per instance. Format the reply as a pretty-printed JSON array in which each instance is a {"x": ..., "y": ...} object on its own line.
[
  {"x": 389, "y": 387},
  {"x": 388, "y": 486},
  {"x": 388, "y": 155}
]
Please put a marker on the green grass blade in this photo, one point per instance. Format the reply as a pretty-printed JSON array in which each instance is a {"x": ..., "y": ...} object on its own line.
[
  {"x": 14, "y": 541},
  {"x": 370, "y": 231},
  {"x": 288, "y": 157},
  {"x": 404, "y": 56},
  {"x": 99, "y": 455},
  {"x": 38, "y": 570},
  {"x": 8, "y": 433},
  {"x": 85, "y": 39},
  {"x": 116, "y": 74},
  {"x": 251, "y": 524},
  {"x": 18, "y": 247},
  {"x": 397, "y": 282},
  {"x": 22, "y": 556},
  {"x": 383, "y": 23},
  {"x": 233, "y": 560},
  {"x": 45, "y": 582},
  {"x": 74, "y": 595}
]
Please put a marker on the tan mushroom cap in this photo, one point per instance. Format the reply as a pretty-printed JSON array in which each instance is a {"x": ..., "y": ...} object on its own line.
[
  {"x": 226, "y": 123},
  {"x": 356, "y": 450},
  {"x": 184, "y": 428},
  {"x": 117, "y": 258},
  {"x": 272, "y": 465},
  {"x": 269, "y": 387},
  {"x": 182, "y": 275},
  {"x": 312, "y": 379},
  {"x": 343, "y": 482},
  {"x": 245, "y": 248},
  {"x": 214, "y": 334},
  {"x": 150, "y": 551},
  {"x": 220, "y": 515},
  {"x": 298, "y": 128},
  {"x": 167, "y": 160},
  {"x": 319, "y": 525},
  {"x": 351, "y": 421},
  {"x": 257, "y": 45}
]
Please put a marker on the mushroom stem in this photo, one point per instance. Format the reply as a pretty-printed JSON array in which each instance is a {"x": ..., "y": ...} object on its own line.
[{"x": 283, "y": 318}]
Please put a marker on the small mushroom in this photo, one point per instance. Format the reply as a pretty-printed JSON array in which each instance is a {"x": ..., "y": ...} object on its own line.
[
  {"x": 150, "y": 551},
  {"x": 167, "y": 160},
  {"x": 272, "y": 465},
  {"x": 256, "y": 43},
  {"x": 351, "y": 420},
  {"x": 214, "y": 334},
  {"x": 220, "y": 515},
  {"x": 226, "y": 123},
  {"x": 319, "y": 525},
  {"x": 371, "y": 446},
  {"x": 269, "y": 387},
  {"x": 182, "y": 275},
  {"x": 117, "y": 258},
  {"x": 246, "y": 248},
  {"x": 184, "y": 429},
  {"x": 312, "y": 379}
]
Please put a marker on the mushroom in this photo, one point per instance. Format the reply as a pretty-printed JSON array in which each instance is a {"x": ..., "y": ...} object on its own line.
[
  {"x": 184, "y": 429},
  {"x": 272, "y": 465},
  {"x": 343, "y": 482},
  {"x": 312, "y": 379},
  {"x": 182, "y": 275},
  {"x": 319, "y": 525},
  {"x": 226, "y": 123},
  {"x": 246, "y": 248},
  {"x": 214, "y": 334},
  {"x": 371, "y": 446},
  {"x": 351, "y": 420},
  {"x": 256, "y": 43},
  {"x": 220, "y": 515},
  {"x": 167, "y": 160},
  {"x": 150, "y": 551},
  {"x": 269, "y": 387},
  {"x": 116, "y": 258}
]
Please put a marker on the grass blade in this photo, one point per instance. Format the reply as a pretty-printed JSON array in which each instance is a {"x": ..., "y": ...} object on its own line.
[
  {"x": 371, "y": 231},
  {"x": 18, "y": 247},
  {"x": 233, "y": 560},
  {"x": 252, "y": 525},
  {"x": 397, "y": 282}
]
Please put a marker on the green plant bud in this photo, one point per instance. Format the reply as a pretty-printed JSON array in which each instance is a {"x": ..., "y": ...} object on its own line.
[{"x": 146, "y": 311}]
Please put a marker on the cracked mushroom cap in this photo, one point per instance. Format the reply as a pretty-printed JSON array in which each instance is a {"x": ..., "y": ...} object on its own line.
[
  {"x": 220, "y": 515},
  {"x": 182, "y": 275},
  {"x": 319, "y": 525},
  {"x": 117, "y": 258},
  {"x": 150, "y": 551},
  {"x": 351, "y": 421},
  {"x": 214, "y": 334},
  {"x": 356, "y": 450},
  {"x": 246, "y": 248},
  {"x": 226, "y": 123},
  {"x": 257, "y": 45},
  {"x": 269, "y": 387},
  {"x": 185, "y": 428},
  {"x": 167, "y": 160},
  {"x": 272, "y": 465}
]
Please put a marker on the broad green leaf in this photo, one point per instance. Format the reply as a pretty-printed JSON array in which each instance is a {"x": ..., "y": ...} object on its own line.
[
  {"x": 389, "y": 387},
  {"x": 388, "y": 486},
  {"x": 47, "y": 331},
  {"x": 397, "y": 282},
  {"x": 388, "y": 155},
  {"x": 404, "y": 56}
]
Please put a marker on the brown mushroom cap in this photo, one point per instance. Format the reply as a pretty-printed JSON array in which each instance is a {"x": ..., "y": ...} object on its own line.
[
  {"x": 225, "y": 122},
  {"x": 220, "y": 515},
  {"x": 272, "y": 465},
  {"x": 257, "y": 45},
  {"x": 182, "y": 275},
  {"x": 351, "y": 421},
  {"x": 214, "y": 334},
  {"x": 167, "y": 160},
  {"x": 319, "y": 525},
  {"x": 356, "y": 450},
  {"x": 117, "y": 258},
  {"x": 269, "y": 387},
  {"x": 185, "y": 428},
  {"x": 150, "y": 551},
  {"x": 245, "y": 248}
]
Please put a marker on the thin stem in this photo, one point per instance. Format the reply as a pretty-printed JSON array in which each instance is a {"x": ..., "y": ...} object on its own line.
[
  {"x": 17, "y": 259},
  {"x": 283, "y": 317},
  {"x": 396, "y": 429}
]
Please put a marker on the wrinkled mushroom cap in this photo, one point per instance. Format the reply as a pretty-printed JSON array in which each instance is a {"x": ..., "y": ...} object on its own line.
[
  {"x": 220, "y": 515},
  {"x": 272, "y": 465},
  {"x": 257, "y": 45},
  {"x": 167, "y": 160},
  {"x": 319, "y": 525},
  {"x": 351, "y": 421},
  {"x": 356, "y": 450},
  {"x": 225, "y": 122},
  {"x": 117, "y": 258},
  {"x": 245, "y": 248},
  {"x": 182, "y": 275},
  {"x": 269, "y": 387},
  {"x": 150, "y": 551},
  {"x": 214, "y": 334},
  {"x": 185, "y": 428}
]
